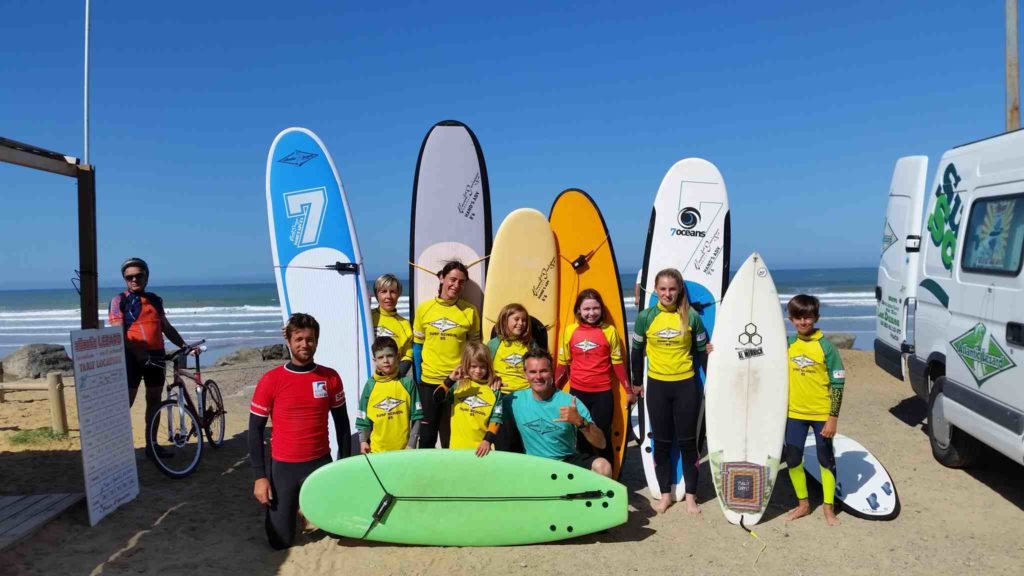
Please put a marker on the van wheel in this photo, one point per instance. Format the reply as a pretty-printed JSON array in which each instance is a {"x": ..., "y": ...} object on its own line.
[{"x": 950, "y": 446}]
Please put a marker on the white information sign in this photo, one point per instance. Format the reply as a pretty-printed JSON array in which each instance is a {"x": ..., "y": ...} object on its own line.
[{"x": 104, "y": 419}]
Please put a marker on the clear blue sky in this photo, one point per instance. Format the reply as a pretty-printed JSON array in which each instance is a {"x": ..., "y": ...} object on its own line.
[{"x": 803, "y": 107}]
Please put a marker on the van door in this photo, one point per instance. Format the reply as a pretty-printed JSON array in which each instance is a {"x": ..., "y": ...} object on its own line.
[
  {"x": 898, "y": 269},
  {"x": 985, "y": 341}
]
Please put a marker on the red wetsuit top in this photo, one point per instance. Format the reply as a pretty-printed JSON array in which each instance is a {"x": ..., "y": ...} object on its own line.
[
  {"x": 297, "y": 404},
  {"x": 592, "y": 353}
]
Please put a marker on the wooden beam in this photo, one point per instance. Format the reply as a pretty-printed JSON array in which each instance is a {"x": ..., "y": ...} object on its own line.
[
  {"x": 87, "y": 260},
  {"x": 27, "y": 155}
]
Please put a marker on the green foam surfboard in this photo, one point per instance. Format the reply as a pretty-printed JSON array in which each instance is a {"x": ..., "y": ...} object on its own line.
[{"x": 453, "y": 498}]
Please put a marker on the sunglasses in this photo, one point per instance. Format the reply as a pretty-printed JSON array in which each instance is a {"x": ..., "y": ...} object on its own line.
[{"x": 135, "y": 277}]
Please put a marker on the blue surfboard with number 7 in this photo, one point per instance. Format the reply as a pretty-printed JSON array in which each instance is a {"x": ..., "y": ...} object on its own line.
[{"x": 317, "y": 263}]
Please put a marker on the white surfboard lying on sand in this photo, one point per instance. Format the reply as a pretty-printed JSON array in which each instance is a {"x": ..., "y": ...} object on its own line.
[
  {"x": 747, "y": 394},
  {"x": 862, "y": 483}
]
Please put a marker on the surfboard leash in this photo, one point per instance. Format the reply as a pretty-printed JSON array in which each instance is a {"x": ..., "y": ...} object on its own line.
[
  {"x": 339, "y": 267},
  {"x": 764, "y": 545},
  {"x": 423, "y": 268}
]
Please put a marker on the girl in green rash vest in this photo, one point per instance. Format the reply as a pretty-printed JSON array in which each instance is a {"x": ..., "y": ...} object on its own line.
[
  {"x": 673, "y": 338},
  {"x": 512, "y": 341},
  {"x": 441, "y": 329},
  {"x": 387, "y": 322}
]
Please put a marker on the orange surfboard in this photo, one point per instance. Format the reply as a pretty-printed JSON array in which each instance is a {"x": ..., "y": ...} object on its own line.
[{"x": 587, "y": 260}]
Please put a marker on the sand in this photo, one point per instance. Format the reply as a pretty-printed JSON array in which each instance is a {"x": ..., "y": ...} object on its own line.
[{"x": 952, "y": 521}]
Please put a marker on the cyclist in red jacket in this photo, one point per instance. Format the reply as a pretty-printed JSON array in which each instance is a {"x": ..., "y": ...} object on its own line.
[{"x": 142, "y": 318}]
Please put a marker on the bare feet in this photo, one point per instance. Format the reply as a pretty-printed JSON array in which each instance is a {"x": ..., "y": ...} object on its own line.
[
  {"x": 802, "y": 509},
  {"x": 691, "y": 505},
  {"x": 663, "y": 505},
  {"x": 830, "y": 515}
]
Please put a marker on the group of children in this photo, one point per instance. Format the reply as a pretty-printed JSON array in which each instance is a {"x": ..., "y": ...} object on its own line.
[{"x": 481, "y": 381}]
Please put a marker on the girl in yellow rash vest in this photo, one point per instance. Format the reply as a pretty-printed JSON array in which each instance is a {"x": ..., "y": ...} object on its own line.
[
  {"x": 476, "y": 411},
  {"x": 440, "y": 331},
  {"x": 513, "y": 339}
]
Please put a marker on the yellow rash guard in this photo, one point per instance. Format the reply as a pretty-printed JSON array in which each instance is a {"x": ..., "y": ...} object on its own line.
[
  {"x": 507, "y": 361},
  {"x": 475, "y": 410},
  {"x": 661, "y": 334},
  {"x": 392, "y": 325},
  {"x": 387, "y": 409},
  {"x": 815, "y": 369},
  {"x": 443, "y": 328}
]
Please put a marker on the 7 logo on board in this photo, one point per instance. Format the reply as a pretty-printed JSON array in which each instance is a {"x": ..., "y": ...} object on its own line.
[{"x": 307, "y": 209}]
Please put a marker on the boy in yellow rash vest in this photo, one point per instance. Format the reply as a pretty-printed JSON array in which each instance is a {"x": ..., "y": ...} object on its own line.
[
  {"x": 816, "y": 379},
  {"x": 389, "y": 408}
]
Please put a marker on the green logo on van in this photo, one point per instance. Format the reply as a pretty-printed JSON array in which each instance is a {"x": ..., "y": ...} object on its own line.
[
  {"x": 983, "y": 356},
  {"x": 944, "y": 222}
]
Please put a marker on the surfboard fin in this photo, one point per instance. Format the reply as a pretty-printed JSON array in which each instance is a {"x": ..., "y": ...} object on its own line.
[
  {"x": 588, "y": 495},
  {"x": 382, "y": 509}
]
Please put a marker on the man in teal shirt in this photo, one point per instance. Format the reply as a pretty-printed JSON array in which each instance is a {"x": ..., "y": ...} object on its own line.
[{"x": 548, "y": 418}]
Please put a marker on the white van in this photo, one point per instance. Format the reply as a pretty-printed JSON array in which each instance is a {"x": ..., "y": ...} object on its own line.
[{"x": 950, "y": 294}]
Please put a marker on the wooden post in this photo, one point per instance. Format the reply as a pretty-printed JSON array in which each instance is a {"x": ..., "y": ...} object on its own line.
[
  {"x": 58, "y": 415},
  {"x": 87, "y": 261},
  {"x": 1012, "y": 69},
  {"x": 1, "y": 382}
]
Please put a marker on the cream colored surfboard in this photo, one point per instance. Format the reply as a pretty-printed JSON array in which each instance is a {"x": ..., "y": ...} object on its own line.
[{"x": 523, "y": 268}]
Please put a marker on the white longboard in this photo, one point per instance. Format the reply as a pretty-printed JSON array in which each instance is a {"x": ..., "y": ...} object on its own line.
[
  {"x": 317, "y": 263},
  {"x": 689, "y": 231},
  {"x": 747, "y": 394},
  {"x": 451, "y": 213},
  {"x": 862, "y": 483}
]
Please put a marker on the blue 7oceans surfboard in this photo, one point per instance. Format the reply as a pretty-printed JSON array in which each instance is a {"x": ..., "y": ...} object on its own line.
[
  {"x": 689, "y": 230},
  {"x": 317, "y": 262}
]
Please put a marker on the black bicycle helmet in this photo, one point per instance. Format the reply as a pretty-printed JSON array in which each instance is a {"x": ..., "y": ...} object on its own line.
[{"x": 137, "y": 262}]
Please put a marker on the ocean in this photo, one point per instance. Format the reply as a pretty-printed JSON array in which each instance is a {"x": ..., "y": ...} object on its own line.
[{"x": 233, "y": 316}]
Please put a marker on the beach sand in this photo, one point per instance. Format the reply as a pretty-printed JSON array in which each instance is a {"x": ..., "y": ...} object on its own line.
[{"x": 952, "y": 521}]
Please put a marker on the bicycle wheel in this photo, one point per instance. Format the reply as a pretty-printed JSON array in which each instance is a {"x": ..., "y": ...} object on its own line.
[
  {"x": 213, "y": 414},
  {"x": 175, "y": 431}
]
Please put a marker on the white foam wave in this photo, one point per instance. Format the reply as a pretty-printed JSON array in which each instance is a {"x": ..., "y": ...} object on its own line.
[{"x": 207, "y": 311}]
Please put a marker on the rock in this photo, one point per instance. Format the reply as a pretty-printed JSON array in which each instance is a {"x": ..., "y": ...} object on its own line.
[
  {"x": 241, "y": 356},
  {"x": 842, "y": 340},
  {"x": 275, "y": 352},
  {"x": 35, "y": 360}
]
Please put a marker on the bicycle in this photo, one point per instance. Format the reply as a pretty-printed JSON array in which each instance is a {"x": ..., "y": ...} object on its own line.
[{"x": 180, "y": 438}]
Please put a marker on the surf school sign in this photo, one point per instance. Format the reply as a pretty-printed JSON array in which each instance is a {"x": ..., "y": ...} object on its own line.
[{"x": 101, "y": 392}]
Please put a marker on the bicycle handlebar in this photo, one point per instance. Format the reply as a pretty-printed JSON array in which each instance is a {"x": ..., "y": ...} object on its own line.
[{"x": 188, "y": 349}]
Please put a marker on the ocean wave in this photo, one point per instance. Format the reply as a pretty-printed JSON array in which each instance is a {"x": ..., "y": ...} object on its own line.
[{"x": 209, "y": 311}]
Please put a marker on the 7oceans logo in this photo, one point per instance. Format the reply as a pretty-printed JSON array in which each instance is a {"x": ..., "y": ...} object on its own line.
[{"x": 687, "y": 219}]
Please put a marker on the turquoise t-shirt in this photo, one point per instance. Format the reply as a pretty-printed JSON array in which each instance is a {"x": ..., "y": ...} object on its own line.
[{"x": 541, "y": 435}]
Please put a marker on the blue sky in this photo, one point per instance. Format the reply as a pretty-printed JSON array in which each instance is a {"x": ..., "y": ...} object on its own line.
[{"x": 803, "y": 106}]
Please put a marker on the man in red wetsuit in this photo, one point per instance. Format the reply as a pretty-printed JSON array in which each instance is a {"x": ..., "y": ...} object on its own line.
[
  {"x": 142, "y": 318},
  {"x": 297, "y": 397}
]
